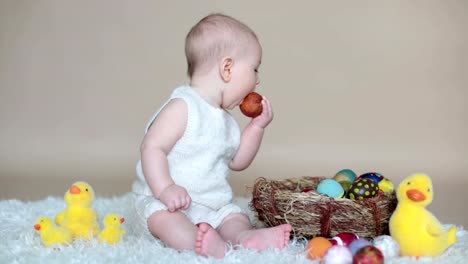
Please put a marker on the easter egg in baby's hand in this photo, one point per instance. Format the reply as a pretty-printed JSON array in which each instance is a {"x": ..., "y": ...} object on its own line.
[
  {"x": 251, "y": 106},
  {"x": 338, "y": 255},
  {"x": 377, "y": 177},
  {"x": 330, "y": 188},
  {"x": 368, "y": 254},
  {"x": 345, "y": 175},
  {"x": 317, "y": 247},
  {"x": 344, "y": 238},
  {"x": 363, "y": 188}
]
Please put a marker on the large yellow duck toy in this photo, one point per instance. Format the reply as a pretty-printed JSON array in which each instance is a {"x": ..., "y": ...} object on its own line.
[
  {"x": 112, "y": 232},
  {"x": 51, "y": 234},
  {"x": 79, "y": 217},
  {"x": 416, "y": 230}
]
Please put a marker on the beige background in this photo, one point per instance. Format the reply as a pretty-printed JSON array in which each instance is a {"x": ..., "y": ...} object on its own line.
[{"x": 367, "y": 85}]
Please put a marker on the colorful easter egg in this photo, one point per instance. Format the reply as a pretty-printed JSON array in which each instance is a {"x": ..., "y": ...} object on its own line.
[
  {"x": 363, "y": 188},
  {"x": 377, "y": 177},
  {"x": 330, "y": 188},
  {"x": 346, "y": 185},
  {"x": 317, "y": 247},
  {"x": 344, "y": 239},
  {"x": 386, "y": 186},
  {"x": 368, "y": 254},
  {"x": 338, "y": 255},
  {"x": 345, "y": 175},
  {"x": 389, "y": 247},
  {"x": 358, "y": 244}
]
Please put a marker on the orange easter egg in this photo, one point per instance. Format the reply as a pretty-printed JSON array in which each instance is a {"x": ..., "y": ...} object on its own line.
[{"x": 317, "y": 247}]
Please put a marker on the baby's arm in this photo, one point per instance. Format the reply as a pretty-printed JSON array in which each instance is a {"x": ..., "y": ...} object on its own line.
[
  {"x": 252, "y": 138},
  {"x": 166, "y": 130}
]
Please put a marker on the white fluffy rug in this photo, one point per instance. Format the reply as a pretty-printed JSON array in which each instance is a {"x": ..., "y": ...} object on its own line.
[{"x": 20, "y": 243}]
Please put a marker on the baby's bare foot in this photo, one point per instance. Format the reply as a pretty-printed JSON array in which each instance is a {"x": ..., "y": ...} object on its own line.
[
  {"x": 273, "y": 237},
  {"x": 209, "y": 243}
]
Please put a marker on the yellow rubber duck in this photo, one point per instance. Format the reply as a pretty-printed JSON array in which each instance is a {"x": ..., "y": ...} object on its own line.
[
  {"x": 416, "y": 230},
  {"x": 79, "y": 217},
  {"x": 52, "y": 234},
  {"x": 112, "y": 233}
]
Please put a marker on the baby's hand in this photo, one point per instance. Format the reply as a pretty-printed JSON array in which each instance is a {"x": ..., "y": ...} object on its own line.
[
  {"x": 175, "y": 197},
  {"x": 266, "y": 116}
]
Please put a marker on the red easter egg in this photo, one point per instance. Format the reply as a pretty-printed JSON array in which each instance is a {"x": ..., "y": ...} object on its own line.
[
  {"x": 344, "y": 239},
  {"x": 368, "y": 255}
]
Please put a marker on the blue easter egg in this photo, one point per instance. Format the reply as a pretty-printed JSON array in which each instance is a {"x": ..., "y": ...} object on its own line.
[
  {"x": 375, "y": 176},
  {"x": 345, "y": 175},
  {"x": 330, "y": 188},
  {"x": 358, "y": 244}
]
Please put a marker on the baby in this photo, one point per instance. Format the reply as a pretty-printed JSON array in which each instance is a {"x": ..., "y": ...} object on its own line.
[{"x": 193, "y": 142}]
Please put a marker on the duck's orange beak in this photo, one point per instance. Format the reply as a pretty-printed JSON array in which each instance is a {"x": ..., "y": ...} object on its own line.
[
  {"x": 122, "y": 220},
  {"x": 37, "y": 227},
  {"x": 74, "y": 189},
  {"x": 415, "y": 195}
]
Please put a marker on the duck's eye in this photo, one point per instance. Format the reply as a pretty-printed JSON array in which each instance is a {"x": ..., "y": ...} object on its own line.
[
  {"x": 428, "y": 190},
  {"x": 408, "y": 183},
  {"x": 86, "y": 189},
  {"x": 115, "y": 219}
]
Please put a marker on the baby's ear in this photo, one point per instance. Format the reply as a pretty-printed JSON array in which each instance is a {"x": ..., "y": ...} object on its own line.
[{"x": 225, "y": 68}]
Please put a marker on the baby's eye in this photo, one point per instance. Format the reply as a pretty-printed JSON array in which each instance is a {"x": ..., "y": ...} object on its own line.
[{"x": 256, "y": 70}]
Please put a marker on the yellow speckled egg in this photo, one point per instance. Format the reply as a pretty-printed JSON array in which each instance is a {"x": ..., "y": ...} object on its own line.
[{"x": 363, "y": 188}]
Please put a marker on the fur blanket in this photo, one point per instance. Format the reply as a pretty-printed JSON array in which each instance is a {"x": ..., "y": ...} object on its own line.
[{"x": 20, "y": 243}]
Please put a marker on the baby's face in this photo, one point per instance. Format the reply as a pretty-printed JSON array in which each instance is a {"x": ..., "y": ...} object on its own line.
[{"x": 244, "y": 76}]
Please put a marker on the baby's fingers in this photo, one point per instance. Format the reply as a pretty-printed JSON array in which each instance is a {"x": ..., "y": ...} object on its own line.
[
  {"x": 188, "y": 201},
  {"x": 171, "y": 207},
  {"x": 266, "y": 107}
]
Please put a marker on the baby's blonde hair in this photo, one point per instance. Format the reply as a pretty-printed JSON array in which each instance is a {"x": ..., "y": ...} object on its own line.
[{"x": 214, "y": 37}]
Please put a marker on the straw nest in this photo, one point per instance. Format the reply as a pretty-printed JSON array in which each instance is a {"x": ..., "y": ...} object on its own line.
[{"x": 312, "y": 214}]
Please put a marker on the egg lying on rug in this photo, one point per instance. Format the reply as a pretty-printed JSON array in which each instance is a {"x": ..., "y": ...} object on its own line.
[
  {"x": 387, "y": 245},
  {"x": 344, "y": 239},
  {"x": 363, "y": 188},
  {"x": 338, "y": 255},
  {"x": 356, "y": 245},
  {"x": 330, "y": 188},
  {"x": 368, "y": 254},
  {"x": 317, "y": 247}
]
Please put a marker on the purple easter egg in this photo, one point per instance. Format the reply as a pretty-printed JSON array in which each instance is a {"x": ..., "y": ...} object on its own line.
[{"x": 358, "y": 244}]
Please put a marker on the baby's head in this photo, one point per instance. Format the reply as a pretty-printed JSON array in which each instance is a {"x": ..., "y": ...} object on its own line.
[{"x": 214, "y": 37}]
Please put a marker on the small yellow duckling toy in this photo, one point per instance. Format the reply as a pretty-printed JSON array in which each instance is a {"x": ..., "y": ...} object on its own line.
[
  {"x": 52, "y": 234},
  {"x": 416, "y": 230},
  {"x": 79, "y": 217},
  {"x": 112, "y": 233}
]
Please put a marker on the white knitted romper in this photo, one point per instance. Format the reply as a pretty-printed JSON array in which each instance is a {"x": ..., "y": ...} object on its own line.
[{"x": 198, "y": 162}]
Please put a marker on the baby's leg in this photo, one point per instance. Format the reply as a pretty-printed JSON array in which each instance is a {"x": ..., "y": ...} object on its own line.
[
  {"x": 237, "y": 229},
  {"x": 174, "y": 229}
]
